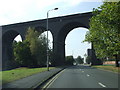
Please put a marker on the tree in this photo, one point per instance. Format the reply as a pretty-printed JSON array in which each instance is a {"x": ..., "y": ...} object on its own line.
[
  {"x": 51, "y": 60},
  {"x": 38, "y": 45},
  {"x": 32, "y": 51},
  {"x": 79, "y": 60},
  {"x": 69, "y": 60},
  {"x": 22, "y": 54},
  {"x": 104, "y": 31}
]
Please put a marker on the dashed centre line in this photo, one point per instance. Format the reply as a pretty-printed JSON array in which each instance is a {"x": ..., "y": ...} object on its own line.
[
  {"x": 82, "y": 71},
  {"x": 101, "y": 84},
  {"x": 88, "y": 75}
]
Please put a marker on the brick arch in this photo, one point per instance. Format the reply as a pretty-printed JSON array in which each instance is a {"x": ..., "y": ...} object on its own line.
[
  {"x": 7, "y": 49},
  {"x": 42, "y": 29},
  {"x": 62, "y": 34},
  {"x": 69, "y": 27},
  {"x": 10, "y": 35}
]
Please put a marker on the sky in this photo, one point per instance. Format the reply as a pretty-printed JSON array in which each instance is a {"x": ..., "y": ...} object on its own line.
[{"x": 15, "y": 11}]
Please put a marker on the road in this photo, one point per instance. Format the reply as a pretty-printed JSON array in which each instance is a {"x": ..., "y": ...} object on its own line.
[{"x": 83, "y": 77}]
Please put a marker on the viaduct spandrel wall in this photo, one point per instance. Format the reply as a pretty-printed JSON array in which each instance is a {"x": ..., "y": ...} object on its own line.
[{"x": 58, "y": 26}]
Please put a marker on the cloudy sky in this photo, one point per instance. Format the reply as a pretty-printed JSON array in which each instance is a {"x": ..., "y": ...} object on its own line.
[{"x": 15, "y": 11}]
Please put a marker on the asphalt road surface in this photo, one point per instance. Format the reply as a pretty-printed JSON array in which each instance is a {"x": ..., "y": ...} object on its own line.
[{"x": 83, "y": 77}]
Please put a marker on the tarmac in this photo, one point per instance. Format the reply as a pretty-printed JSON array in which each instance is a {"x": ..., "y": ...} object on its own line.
[{"x": 32, "y": 81}]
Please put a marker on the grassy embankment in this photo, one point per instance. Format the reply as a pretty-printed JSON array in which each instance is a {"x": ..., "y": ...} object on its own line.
[
  {"x": 15, "y": 74},
  {"x": 109, "y": 68}
]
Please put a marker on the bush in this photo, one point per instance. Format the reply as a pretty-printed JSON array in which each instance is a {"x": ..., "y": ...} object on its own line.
[{"x": 69, "y": 60}]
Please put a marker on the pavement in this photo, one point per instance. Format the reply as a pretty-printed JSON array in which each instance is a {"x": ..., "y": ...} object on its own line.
[{"x": 32, "y": 81}]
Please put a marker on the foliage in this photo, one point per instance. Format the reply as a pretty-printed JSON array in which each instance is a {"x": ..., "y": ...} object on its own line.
[
  {"x": 32, "y": 51},
  {"x": 69, "y": 60},
  {"x": 79, "y": 60},
  {"x": 104, "y": 30},
  {"x": 88, "y": 59},
  {"x": 22, "y": 54},
  {"x": 50, "y": 54},
  {"x": 37, "y": 46}
]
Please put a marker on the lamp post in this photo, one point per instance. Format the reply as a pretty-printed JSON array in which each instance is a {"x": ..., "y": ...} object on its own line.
[{"x": 47, "y": 37}]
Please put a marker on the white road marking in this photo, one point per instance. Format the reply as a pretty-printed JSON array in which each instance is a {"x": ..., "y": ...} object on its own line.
[
  {"x": 88, "y": 75},
  {"x": 82, "y": 71},
  {"x": 101, "y": 84},
  {"x": 52, "y": 80}
]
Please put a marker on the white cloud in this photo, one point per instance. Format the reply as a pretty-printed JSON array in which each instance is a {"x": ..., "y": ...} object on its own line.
[
  {"x": 12, "y": 11},
  {"x": 3, "y": 20}
]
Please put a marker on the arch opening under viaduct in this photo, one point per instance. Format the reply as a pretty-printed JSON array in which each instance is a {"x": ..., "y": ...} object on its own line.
[
  {"x": 58, "y": 26},
  {"x": 62, "y": 37},
  {"x": 74, "y": 43},
  {"x": 7, "y": 49}
]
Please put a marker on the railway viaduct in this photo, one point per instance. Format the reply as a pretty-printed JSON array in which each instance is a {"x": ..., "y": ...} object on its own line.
[{"x": 58, "y": 26}]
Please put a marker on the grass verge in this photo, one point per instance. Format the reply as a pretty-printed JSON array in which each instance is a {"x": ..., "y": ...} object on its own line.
[
  {"x": 108, "y": 67},
  {"x": 15, "y": 74}
]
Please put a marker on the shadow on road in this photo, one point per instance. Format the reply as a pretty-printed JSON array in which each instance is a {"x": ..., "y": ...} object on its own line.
[{"x": 80, "y": 67}]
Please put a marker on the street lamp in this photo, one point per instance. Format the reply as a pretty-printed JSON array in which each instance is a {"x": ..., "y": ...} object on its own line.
[{"x": 47, "y": 37}]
